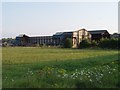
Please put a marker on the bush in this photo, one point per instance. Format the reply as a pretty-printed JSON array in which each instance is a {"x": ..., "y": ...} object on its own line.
[
  {"x": 112, "y": 43},
  {"x": 109, "y": 43},
  {"x": 84, "y": 44},
  {"x": 94, "y": 43},
  {"x": 68, "y": 43}
]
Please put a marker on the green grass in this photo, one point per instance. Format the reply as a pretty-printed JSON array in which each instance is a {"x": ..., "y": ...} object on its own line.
[{"x": 59, "y": 68}]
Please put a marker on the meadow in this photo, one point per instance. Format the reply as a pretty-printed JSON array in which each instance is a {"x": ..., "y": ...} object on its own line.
[{"x": 35, "y": 67}]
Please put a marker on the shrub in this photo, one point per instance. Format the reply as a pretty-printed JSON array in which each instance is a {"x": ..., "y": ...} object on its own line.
[
  {"x": 109, "y": 43},
  {"x": 94, "y": 43},
  {"x": 84, "y": 44},
  {"x": 67, "y": 43}
]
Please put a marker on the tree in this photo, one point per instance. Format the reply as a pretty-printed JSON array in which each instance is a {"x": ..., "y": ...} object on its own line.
[
  {"x": 8, "y": 41},
  {"x": 94, "y": 43},
  {"x": 109, "y": 43},
  {"x": 84, "y": 44},
  {"x": 68, "y": 43}
]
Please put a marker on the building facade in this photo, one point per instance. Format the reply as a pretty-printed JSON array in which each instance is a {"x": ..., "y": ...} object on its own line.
[
  {"x": 99, "y": 34},
  {"x": 59, "y": 38},
  {"x": 24, "y": 40},
  {"x": 80, "y": 35}
]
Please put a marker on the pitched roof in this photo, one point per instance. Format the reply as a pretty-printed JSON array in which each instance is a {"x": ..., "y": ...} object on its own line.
[
  {"x": 59, "y": 33},
  {"x": 97, "y": 31},
  {"x": 66, "y": 32},
  {"x": 22, "y": 35}
]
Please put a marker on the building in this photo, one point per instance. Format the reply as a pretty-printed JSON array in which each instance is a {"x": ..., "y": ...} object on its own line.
[
  {"x": 59, "y": 38},
  {"x": 115, "y": 35},
  {"x": 80, "y": 35},
  {"x": 62, "y": 36},
  {"x": 56, "y": 40},
  {"x": 99, "y": 34},
  {"x": 24, "y": 40},
  {"x": 76, "y": 36}
]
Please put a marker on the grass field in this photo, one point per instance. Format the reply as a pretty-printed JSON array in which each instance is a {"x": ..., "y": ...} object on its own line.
[{"x": 30, "y": 67}]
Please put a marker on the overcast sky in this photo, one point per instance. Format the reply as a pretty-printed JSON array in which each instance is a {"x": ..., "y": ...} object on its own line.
[{"x": 47, "y": 18}]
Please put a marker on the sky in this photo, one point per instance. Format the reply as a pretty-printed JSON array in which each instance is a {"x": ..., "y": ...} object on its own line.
[{"x": 47, "y": 18}]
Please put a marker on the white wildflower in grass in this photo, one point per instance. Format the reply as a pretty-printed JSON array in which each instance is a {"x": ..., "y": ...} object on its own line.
[
  {"x": 73, "y": 78},
  {"x": 73, "y": 74},
  {"x": 114, "y": 69},
  {"x": 101, "y": 74},
  {"x": 12, "y": 80},
  {"x": 76, "y": 76},
  {"x": 95, "y": 68},
  {"x": 90, "y": 80},
  {"x": 78, "y": 73},
  {"x": 97, "y": 79},
  {"x": 65, "y": 75},
  {"x": 59, "y": 75},
  {"x": 82, "y": 72},
  {"x": 29, "y": 72},
  {"x": 108, "y": 66},
  {"x": 88, "y": 72},
  {"x": 88, "y": 76}
]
